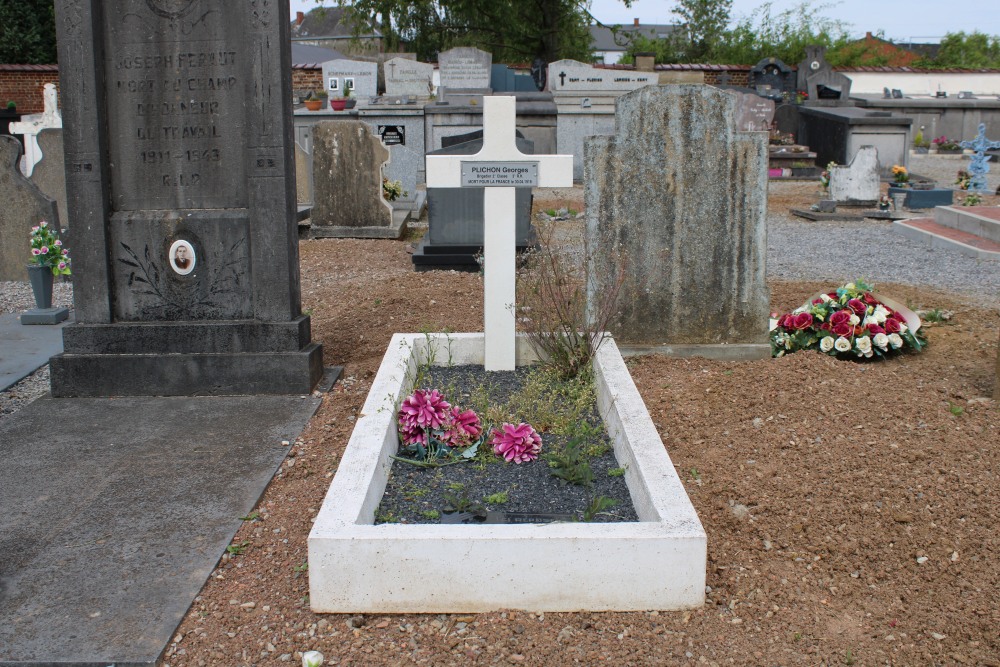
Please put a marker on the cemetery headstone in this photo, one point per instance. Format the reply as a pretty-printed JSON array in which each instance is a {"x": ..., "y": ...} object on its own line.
[
  {"x": 303, "y": 175},
  {"x": 348, "y": 158},
  {"x": 454, "y": 238},
  {"x": 32, "y": 125},
  {"x": 179, "y": 158},
  {"x": 404, "y": 77},
  {"x": 574, "y": 76},
  {"x": 49, "y": 173},
  {"x": 772, "y": 78},
  {"x": 676, "y": 200},
  {"x": 359, "y": 76},
  {"x": 857, "y": 184},
  {"x": 754, "y": 113},
  {"x": 499, "y": 168},
  {"x": 824, "y": 86},
  {"x": 977, "y": 165},
  {"x": 24, "y": 206},
  {"x": 465, "y": 69}
]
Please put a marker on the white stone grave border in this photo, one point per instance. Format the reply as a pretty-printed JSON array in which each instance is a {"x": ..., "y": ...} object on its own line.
[{"x": 657, "y": 563}]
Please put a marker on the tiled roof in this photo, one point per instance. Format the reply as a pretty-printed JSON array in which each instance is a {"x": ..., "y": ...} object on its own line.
[{"x": 29, "y": 68}]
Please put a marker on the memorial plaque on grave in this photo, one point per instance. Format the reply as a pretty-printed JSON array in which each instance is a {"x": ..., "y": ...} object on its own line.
[
  {"x": 408, "y": 77},
  {"x": 571, "y": 75},
  {"x": 177, "y": 136},
  {"x": 465, "y": 68},
  {"x": 754, "y": 113},
  {"x": 392, "y": 135},
  {"x": 361, "y": 78}
]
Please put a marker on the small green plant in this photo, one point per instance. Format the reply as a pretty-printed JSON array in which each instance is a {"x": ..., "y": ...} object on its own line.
[
  {"x": 597, "y": 505},
  {"x": 11, "y": 105},
  {"x": 695, "y": 474},
  {"x": 301, "y": 568},
  {"x": 616, "y": 472},
  {"x": 237, "y": 549},
  {"x": 936, "y": 316},
  {"x": 253, "y": 516},
  {"x": 971, "y": 199},
  {"x": 387, "y": 516},
  {"x": 571, "y": 463},
  {"x": 431, "y": 514},
  {"x": 497, "y": 499},
  {"x": 954, "y": 409},
  {"x": 550, "y": 212},
  {"x": 458, "y": 500},
  {"x": 848, "y": 657},
  {"x": 796, "y": 636}
]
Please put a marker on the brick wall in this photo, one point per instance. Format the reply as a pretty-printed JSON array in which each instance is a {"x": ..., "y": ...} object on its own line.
[
  {"x": 23, "y": 84},
  {"x": 307, "y": 78}
]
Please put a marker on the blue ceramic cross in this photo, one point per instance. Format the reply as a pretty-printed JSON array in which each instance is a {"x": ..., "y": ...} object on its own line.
[{"x": 978, "y": 167}]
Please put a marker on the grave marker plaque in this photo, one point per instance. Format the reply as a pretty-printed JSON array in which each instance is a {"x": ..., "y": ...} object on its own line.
[{"x": 177, "y": 134}]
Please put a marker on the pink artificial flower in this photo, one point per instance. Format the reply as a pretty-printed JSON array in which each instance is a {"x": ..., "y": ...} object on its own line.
[
  {"x": 424, "y": 409},
  {"x": 65, "y": 251},
  {"x": 44, "y": 250},
  {"x": 62, "y": 265},
  {"x": 519, "y": 444},
  {"x": 464, "y": 428},
  {"x": 57, "y": 243},
  {"x": 34, "y": 229},
  {"x": 43, "y": 224},
  {"x": 36, "y": 251}
]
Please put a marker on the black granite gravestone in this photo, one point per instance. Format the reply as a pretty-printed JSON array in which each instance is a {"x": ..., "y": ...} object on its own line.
[
  {"x": 455, "y": 216},
  {"x": 772, "y": 78},
  {"x": 180, "y": 185}
]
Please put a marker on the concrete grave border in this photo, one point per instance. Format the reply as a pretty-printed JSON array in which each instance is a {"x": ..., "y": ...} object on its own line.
[{"x": 355, "y": 566}]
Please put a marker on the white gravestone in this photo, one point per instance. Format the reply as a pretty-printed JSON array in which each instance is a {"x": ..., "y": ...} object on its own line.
[
  {"x": 31, "y": 126},
  {"x": 360, "y": 77},
  {"x": 408, "y": 77},
  {"x": 499, "y": 167}
]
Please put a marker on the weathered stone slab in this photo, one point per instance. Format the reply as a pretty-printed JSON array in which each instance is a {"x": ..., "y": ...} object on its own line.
[
  {"x": 24, "y": 205},
  {"x": 858, "y": 183},
  {"x": 359, "y": 76},
  {"x": 465, "y": 68},
  {"x": 303, "y": 175},
  {"x": 49, "y": 173},
  {"x": 348, "y": 159},
  {"x": 408, "y": 77},
  {"x": 676, "y": 203},
  {"x": 179, "y": 158}
]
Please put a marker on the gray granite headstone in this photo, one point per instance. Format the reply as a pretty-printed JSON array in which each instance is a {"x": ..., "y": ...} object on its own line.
[
  {"x": 754, "y": 113},
  {"x": 24, "y": 206},
  {"x": 360, "y": 76},
  {"x": 676, "y": 202},
  {"x": 49, "y": 173},
  {"x": 825, "y": 86},
  {"x": 303, "y": 175},
  {"x": 408, "y": 77},
  {"x": 348, "y": 159},
  {"x": 858, "y": 183},
  {"x": 465, "y": 68},
  {"x": 180, "y": 185}
]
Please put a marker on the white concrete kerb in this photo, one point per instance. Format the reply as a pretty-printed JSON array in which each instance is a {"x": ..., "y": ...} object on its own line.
[
  {"x": 356, "y": 567},
  {"x": 499, "y": 232}
]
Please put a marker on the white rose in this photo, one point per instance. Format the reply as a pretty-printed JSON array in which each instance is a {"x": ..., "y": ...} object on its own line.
[
  {"x": 864, "y": 345},
  {"x": 881, "y": 313},
  {"x": 854, "y": 320},
  {"x": 869, "y": 319},
  {"x": 881, "y": 341},
  {"x": 800, "y": 309},
  {"x": 849, "y": 286},
  {"x": 902, "y": 328},
  {"x": 895, "y": 340},
  {"x": 842, "y": 344},
  {"x": 826, "y": 344},
  {"x": 826, "y": 298}
]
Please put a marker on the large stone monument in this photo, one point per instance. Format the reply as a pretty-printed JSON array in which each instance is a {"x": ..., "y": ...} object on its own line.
[
  {"x": 465, "y": 69},
  {"x": 360, "y": 77},
  {"x": 676, "y": 202},
  {"x": 180, "y": 183}
]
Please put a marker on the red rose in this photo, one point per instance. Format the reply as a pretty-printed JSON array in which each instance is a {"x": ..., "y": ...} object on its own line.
[
  {"x": 785, "y": 321},
  {"x": 840, "y": 317},
  {"x": 802, "y": 321},
  {"x": 843, "y": 329},
  {"x": 870, "y": 300},
  {"x": 816, "y": 302},
  {"x": 892, "y": 325},
  {"x": 825, "y": 326},
  {"x": 858, "y": 306},
  {"x": 875, "y": 329}
]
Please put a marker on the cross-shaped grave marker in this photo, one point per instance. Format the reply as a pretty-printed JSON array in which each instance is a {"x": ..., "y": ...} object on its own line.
[
  {"x": 499, "y": 167},
  {"x": 977, "y": 166}
]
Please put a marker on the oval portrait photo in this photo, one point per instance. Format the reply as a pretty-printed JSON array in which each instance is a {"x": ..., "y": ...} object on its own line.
[{"x": 182, "y": 257}]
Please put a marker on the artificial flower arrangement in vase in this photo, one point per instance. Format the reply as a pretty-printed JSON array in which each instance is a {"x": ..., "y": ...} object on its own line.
[
  {"x": 848, "y": 323},
  {"x": 945, "y": 145},
  {"x": 392, "y": 190},
  {"x": 49, "y": 258},
  {"x": 900, "y": 176}
]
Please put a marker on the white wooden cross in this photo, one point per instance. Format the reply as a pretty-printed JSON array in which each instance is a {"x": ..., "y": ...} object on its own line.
[{"x": 499, "y": 167}]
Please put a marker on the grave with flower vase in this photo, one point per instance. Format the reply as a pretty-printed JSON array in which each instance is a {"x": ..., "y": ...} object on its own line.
[{"x": 356, "y": 566}]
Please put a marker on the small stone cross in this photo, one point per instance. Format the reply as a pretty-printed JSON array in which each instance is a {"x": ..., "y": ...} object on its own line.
[
  {"x": 499, "y": 167},
  {"x": 978, "y": 167}
]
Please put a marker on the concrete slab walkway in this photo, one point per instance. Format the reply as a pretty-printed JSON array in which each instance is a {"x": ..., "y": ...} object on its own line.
[
  {"x": 25, "y": 349},
  {"x": 115, "y": 511}
]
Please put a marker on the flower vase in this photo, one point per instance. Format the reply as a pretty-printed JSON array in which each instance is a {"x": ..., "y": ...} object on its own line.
[{"x": 41, "y": 285}]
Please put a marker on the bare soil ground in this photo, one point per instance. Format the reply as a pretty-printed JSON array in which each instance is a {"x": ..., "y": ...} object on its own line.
[{"x": 851, "y": 509}]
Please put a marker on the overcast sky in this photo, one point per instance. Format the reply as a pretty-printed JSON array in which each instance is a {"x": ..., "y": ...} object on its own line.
[{"x": 919, "y": 20}]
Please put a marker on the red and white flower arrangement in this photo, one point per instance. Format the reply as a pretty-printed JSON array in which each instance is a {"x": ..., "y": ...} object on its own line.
[{"x": 850, "y": 323}]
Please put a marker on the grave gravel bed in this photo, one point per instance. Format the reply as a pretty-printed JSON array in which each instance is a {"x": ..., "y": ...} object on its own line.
[{"x": 530, "y": 487}]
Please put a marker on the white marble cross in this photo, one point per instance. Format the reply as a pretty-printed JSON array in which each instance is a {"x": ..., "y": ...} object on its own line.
[
  {"x": 31, "y": 126},
  {"x": 499, "y": 166}
]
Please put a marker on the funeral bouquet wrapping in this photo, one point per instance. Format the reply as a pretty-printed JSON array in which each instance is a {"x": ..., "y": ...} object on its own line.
[{"x": 850, "y": 323}]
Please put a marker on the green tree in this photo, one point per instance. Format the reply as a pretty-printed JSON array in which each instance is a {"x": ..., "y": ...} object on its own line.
[
  {"x": 512, "y": 30},
  {"x": 705, "y": 24},
  {"x": 27, "y": 32},
  {"x": 972, "y": 51}
]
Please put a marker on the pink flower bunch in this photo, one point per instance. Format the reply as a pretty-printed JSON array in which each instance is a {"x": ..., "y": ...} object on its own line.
[
  {"x": 519, "y": 444},
  {"x": 426, "y": 411}
]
